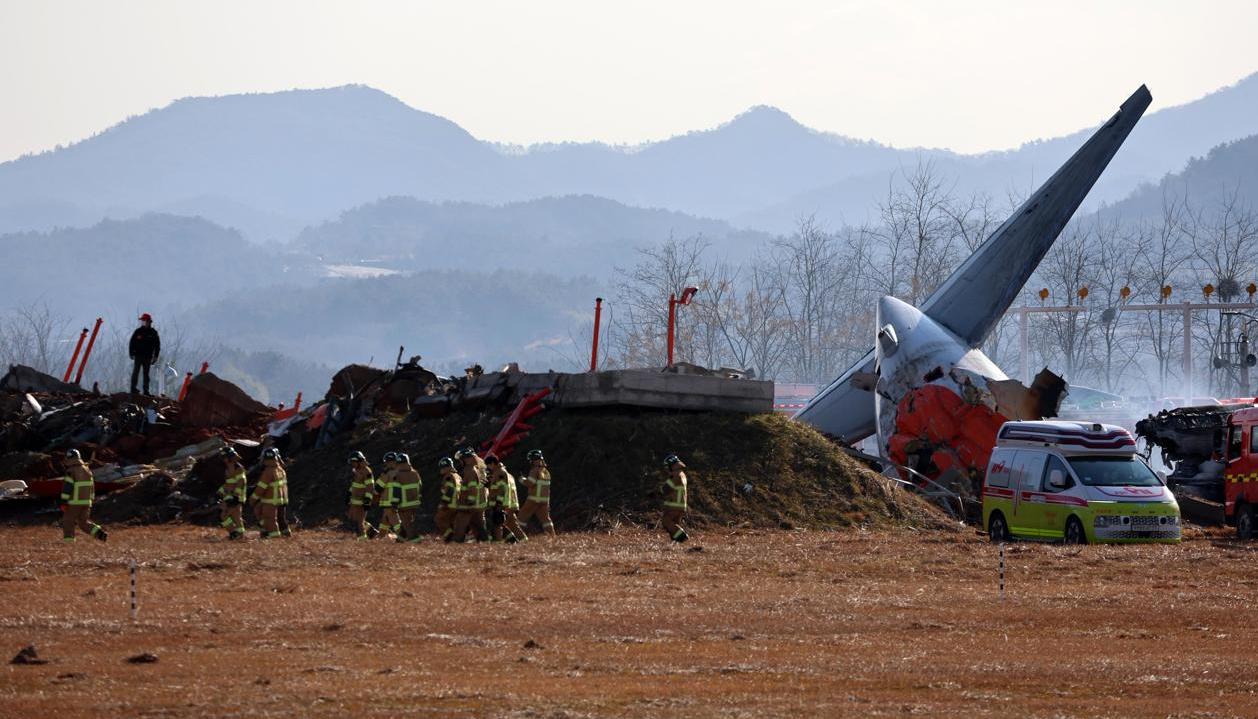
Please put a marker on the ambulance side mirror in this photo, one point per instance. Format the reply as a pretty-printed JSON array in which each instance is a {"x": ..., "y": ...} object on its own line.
[{"x": 1057, "y": 479}]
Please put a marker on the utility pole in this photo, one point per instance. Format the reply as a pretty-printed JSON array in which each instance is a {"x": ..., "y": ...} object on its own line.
[{"x": 1244, "y": 363}]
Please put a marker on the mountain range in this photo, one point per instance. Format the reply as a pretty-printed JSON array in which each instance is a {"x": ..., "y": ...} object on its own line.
[{"x": 273, "y": 164}]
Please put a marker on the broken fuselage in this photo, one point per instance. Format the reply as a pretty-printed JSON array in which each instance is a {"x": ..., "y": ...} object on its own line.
[{"x": 939, "y": 402}]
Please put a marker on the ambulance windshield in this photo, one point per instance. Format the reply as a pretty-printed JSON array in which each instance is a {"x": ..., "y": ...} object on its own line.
[{"x": 1114, "y": 472}]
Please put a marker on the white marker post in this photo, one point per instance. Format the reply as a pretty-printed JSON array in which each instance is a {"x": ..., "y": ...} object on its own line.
[
  {"x": 1002, "y": 571},
  {"x": 135, "y": 605}
]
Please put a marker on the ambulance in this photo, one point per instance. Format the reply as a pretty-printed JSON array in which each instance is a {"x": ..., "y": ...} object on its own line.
[{"x": 1076, "y": 482}]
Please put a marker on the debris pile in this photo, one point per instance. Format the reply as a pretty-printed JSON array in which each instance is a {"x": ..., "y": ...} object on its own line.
[
  {"x": 142, "y": 448},
  {"x": 604, "y": 435}
]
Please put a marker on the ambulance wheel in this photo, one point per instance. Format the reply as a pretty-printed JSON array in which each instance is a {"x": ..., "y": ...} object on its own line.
[
  {"x": 997, "y": 530},
  {"x": 1245, "y": 522},
  {"x": 1074, "y": 532}
]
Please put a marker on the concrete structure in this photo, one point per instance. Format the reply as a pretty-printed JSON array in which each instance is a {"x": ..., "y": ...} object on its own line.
[
  {"x": 638, "y": 388},
  {"x": 970, "y": 302}
]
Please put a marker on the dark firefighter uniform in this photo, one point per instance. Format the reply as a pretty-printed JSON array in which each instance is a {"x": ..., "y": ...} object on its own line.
[
  {"x": 506, "y": 501},
  {"x": 447, "y": 505},
  {"x": 675, "y": 499},
  {"x": 78, "y": 491},
  {"x": 233, "y": 495},
  {"x": 386, "y": 493},
  {"x": 270, "y": 496},
  {"x": 409, "y": 489},
  {"x": 538, "y": 501},
  {"x": 362, "y": 490},
  {"x": 471, "y": 502}
]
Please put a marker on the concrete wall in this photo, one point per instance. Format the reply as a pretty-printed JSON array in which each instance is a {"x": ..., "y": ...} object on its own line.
[{"x": 639, "y": 388}]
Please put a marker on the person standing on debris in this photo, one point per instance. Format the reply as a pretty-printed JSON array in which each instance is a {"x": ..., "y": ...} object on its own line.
[
  {"x": 447, "y": 505},
  {"x": 78, "y": 491},
  {"x": 233, "y": 494},
  {"x": 144, "y": 349},
  {"x": 470, "y": 514},
  {"x": 409, "y": 489},
  {"x": 362, "y": 489},
  {"x": 538, "y": 501},
  {"x": 675, "y": 499},
  {"x": 270, "y": 497},
  {"x": 506, "y": 502},
  {"x": 386, "y": 497}
]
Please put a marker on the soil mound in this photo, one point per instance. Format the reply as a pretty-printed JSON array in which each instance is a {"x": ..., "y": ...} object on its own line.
[{"x": 760, "y": 470}]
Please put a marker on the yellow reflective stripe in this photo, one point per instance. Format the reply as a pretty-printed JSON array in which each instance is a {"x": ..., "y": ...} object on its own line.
[{"x": 82, "y": 491}]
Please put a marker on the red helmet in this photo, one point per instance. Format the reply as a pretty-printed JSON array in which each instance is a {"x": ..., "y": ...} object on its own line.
[{"x": 146, "y": 317}]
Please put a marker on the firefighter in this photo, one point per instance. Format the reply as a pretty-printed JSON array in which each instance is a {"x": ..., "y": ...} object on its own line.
[
  {"x": 78, "y": 491},
  {"x": 482, "y": 496},
  {"x": 506, "y": 502},
  {"x": 233, "y": 494},
  {"x": 447, "y": 505},
  {"x": 675, "y": 499},
  {"x": 538, "y": 502},
  {"x": 270, "y": 496},
  {"x": 389, "y": 524},
  {"x": 281, "y": 509},
  {"x": 362, "y": 489},
  {"x": 471, "y": 514},
  {"x": 409, "y": 490}
]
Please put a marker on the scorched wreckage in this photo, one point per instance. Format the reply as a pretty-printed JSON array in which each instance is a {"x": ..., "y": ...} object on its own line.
[{"x": 934, "y": 401}]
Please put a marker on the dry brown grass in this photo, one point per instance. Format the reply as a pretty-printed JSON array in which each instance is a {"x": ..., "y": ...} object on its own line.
[{"x": 756, "y": 623}]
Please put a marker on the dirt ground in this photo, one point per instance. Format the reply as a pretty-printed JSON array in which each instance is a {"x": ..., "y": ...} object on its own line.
[{"x": 737, "y": 623}]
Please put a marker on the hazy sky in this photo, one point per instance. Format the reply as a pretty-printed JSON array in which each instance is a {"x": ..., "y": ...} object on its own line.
[{"x": 965, "y": 75}]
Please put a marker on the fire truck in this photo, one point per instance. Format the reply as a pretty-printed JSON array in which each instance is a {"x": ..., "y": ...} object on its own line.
[{"x": 1213, "y": 451}]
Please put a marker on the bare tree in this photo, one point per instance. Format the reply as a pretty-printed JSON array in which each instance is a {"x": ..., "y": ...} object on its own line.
[
  {"x": 36, "y": 336},
  {"x": 809, "y": 275},
  {"x": 638, "y": 333},
  {"x": 1116, "y": 257},
  {"x": 1159, "y": 254},
  {"x": 1067, "y": 268}
]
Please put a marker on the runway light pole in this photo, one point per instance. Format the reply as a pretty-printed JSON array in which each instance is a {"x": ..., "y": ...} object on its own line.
[
  {"x": 673, "y": 302},
  {"x": 598, "y": 316}
]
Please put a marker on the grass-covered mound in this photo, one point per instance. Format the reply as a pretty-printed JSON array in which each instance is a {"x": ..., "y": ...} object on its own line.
[{"x": 744, "y": 470}]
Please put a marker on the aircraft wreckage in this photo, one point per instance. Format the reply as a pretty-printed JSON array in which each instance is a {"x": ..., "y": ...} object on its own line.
[{"x": 933, "y": 399}]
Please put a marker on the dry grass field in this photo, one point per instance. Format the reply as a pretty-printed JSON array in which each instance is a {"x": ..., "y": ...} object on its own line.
[{"x": 734, "y": 624}]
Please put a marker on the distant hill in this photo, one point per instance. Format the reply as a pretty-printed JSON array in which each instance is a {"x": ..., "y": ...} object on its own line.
[
  {"x": 449, "y": 316},
  {"x": 157, "y": 263},
  {"x": 1226, "y": 172},
  {"x": 1162, "y": 143},
  {"x": 270, "y": 164},
  {"x": 575, "y": 235},
  {"x": 303, "y": 154}
]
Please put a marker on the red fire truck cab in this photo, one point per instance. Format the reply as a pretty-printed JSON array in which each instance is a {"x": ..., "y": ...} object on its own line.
[{"x": 1240, "y": 472}]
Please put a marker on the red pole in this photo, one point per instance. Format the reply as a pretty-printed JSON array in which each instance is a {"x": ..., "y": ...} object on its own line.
[
  {"x": 183, "y": 391},
  {"x": 205, "y": 367},
  {"x": 598, "y": 314},
  {"x": 297, "y": 404},
  {"x": 88, "y": 352},
  {"x": 75, "y": 357},
  {"x": 672, "y": 323}
]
